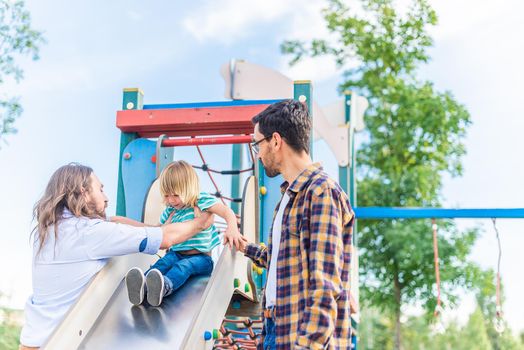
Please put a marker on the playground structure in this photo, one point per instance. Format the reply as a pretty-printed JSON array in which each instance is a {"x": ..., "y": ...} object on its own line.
[{"x": 223, "y": 310}]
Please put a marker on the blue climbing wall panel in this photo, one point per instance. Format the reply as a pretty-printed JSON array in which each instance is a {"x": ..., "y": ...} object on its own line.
[{"x": 138, "y": 173}]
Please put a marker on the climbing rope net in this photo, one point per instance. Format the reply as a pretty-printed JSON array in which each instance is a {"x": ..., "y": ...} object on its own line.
[{"x": 239, "y": 334}]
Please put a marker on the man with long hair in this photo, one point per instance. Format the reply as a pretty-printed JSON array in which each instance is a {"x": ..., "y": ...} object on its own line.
[{"x": 72, "y": 241}]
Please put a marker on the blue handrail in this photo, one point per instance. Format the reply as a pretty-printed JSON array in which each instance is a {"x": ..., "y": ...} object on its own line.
[{"x": 436, "y": 213}]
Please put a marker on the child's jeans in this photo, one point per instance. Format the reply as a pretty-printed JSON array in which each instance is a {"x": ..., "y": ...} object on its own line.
[{"x": 177, "y": 268}]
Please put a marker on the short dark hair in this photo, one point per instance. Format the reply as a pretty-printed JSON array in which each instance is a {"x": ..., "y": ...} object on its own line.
[{"x": 290, "y": 118}]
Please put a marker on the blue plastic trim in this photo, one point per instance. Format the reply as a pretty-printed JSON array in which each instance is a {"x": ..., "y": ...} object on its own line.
[
  {"x": 143, "y": 245},
  {"x": 138, "y": 173},
  {"x": 211, "y": 104},
  {"x": 436, "y": 213}
]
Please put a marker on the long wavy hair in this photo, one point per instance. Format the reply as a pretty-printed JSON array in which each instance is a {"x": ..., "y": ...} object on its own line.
[{"x": 65, "y": 190}]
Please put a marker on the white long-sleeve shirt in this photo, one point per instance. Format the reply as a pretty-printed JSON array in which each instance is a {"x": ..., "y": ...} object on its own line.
[{"x": 65, "y": 266}]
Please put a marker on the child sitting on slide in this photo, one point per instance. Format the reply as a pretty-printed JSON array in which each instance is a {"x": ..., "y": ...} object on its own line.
[{"x": 180, "y": 188}]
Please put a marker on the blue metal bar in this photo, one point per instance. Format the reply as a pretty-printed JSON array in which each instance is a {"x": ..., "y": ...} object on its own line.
[
  {"x": 234, "y": 103},
  {"x": 436, "y": 213}
]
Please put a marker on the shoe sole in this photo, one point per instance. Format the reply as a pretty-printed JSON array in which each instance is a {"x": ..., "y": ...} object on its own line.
[
  {"x": 155, "y": 287},
  {"x": 135, "y": 282}
]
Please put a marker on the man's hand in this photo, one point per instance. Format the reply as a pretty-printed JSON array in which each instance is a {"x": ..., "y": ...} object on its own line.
[
  {"x": 205, "y": 220},
  {"x": 243, "y": 244}
]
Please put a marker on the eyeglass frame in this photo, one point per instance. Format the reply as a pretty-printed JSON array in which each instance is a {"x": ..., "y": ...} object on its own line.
[{"x": 255, "y": 145}]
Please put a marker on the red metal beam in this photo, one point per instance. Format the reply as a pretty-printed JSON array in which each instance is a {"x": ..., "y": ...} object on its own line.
[
  {"x": 189, "y": 121},
  {"x": 202, "y": 141}
]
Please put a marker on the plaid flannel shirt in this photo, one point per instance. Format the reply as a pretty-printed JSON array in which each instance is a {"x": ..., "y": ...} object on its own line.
[{"x": 313, "y": 267}]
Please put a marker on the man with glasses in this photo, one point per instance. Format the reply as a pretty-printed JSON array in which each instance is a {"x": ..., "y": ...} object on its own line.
[{"x": 307, "y": 294}]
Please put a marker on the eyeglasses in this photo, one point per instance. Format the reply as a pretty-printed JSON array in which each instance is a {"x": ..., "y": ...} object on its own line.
[{"x": 255, "y": 146}]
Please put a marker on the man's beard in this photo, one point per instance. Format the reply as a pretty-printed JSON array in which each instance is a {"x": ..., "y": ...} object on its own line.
[
  {"x": 98, "y": 213},
  {"x": 270, "y": 171},
  {"x": 102, "y": 214}
]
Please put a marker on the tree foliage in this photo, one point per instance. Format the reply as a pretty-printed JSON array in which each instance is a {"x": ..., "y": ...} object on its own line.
[
  {"x": 17, "y": 39},
  {"x": 375, "y": 329},
  {"x": 414, "y": 137}
]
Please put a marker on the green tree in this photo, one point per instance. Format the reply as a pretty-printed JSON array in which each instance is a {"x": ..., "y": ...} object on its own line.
[
  {"x": 415, "y": 136},
  {"x": 375, "y": 328},
  {"x": 9, "y": 329},
  {"x": 17, "y": 39},
  {"x": 475, "y": 333}
]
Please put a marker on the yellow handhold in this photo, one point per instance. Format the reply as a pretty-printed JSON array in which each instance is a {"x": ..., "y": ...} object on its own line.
[{"x": 263, "y": 190}]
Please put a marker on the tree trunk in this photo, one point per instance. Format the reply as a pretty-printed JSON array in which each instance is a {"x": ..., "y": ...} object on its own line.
[{"x": 397, "y": 287}]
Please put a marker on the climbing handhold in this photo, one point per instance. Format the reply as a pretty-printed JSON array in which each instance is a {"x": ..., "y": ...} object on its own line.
[
  {"x": 153, "y": 159},
  {"x": 127, "y": 155},
  {"x": 263, "y": 190},
  {"x": 216, "y": 334},
  {"x": 207, "y": 335},
  {"x": 236, "y": 282},
  {"x": 247, "y": 288}
]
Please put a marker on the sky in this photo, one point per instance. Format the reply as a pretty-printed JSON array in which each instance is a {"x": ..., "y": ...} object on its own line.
[{"x": 173, "y": 50}]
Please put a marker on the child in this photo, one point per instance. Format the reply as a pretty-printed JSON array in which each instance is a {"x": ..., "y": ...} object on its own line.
[{"x": 179, "y": 186}]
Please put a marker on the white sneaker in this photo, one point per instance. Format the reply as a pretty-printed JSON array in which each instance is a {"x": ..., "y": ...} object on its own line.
[
  {"x": 135, "y": 283},
  {"x": 155, "y": 287}
]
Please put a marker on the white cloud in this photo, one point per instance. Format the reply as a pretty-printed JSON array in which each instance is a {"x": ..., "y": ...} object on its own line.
[
  {"x": 462, "y": 16},
  {"x": 230, "y": 20},
  {"x": 314, "y": 69}
]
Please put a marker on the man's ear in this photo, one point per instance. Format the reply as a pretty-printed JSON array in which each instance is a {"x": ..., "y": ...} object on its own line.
[
  {"x": 85, "y": 194},
  {"x": 276, "y": 140}
]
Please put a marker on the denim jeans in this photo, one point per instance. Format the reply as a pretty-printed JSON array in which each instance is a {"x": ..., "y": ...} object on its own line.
[
  {"x": 269, "y": 340},
  {"x": 177, "y": 268}
]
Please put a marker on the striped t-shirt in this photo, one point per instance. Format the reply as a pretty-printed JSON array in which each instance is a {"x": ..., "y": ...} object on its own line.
[{"x": 203, "y": 241}]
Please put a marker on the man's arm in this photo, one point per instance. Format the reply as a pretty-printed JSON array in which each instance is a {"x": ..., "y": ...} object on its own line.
[
  {"x": 325, "y": 259},
  {"x": 128, "y": 221},
  {"x": 181, "y": 231}
]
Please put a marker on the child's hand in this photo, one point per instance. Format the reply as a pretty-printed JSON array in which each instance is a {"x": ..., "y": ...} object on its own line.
[{"x": 233, "y": 237}]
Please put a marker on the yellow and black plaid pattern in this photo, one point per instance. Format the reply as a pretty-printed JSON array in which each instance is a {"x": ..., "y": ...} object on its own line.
[{"x": 313, "y": 284}]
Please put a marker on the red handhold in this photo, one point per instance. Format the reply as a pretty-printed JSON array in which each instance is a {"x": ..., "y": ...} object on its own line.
[
  {"x": 153, "y": 159},
  {"x": 127, "y": 155}
]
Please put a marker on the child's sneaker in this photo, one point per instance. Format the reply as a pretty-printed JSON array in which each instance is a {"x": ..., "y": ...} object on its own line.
[
  {"x": 155, "y": 287},
  {"x": 135, "y": 282}
]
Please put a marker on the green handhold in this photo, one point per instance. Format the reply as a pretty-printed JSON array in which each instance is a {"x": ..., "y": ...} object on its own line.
[
  {"x": 216, "y": 334},
  {"x": 247, "y": 288},
  {"x": 236, "y": 283}
]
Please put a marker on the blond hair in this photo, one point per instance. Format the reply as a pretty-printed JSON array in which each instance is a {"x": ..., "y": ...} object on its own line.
[
  {"x": 180, "y": 178},
  {"x": 64, "y": 191}
]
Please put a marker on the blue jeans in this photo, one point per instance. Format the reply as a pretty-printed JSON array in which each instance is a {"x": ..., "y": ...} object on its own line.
[
  {"x": 269, "y": 339},
  {"x": 177, "y": 268}
]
